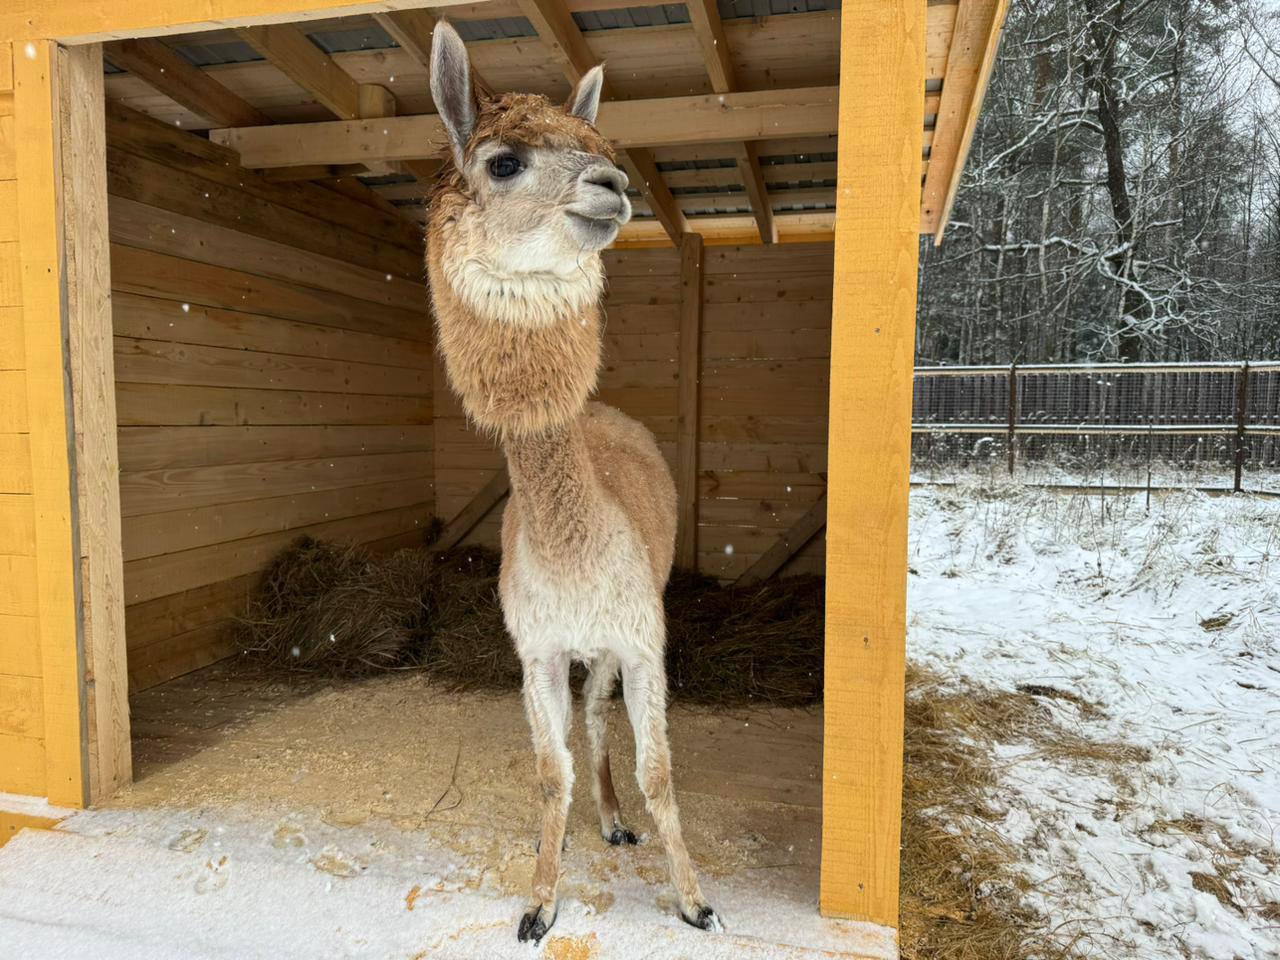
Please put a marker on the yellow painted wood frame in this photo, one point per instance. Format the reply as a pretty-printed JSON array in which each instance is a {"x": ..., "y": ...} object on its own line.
[
  {"x": 882, "y": 71},
  {"x": 874, "y": 307}
]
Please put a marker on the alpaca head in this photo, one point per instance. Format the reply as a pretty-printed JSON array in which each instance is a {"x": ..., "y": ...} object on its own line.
[
  {"x": 534, "y": 193},
  {"x": 514, "y": 234}
]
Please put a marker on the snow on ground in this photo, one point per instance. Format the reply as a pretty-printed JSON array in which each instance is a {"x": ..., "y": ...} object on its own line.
[
  {"x": 1168, "y": 620},
  {"x": 224, "y": 884}
]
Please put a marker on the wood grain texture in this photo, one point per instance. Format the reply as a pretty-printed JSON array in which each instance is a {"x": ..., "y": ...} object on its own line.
[
  {"x": 175, "y": 77},
  {"x": 55, "y": 569},
  {"x": 990, "y": 48},
  {"x": 88, "y": 293},
  {"x": 272, "y": 379},
  {"x": 330, "y": 216},
  {"x": 759, "y": 470},
  {"x": 963, "y": 86},
  {"x": 872, "y": 343},
  {"x": 86, "y": 21},
  {"x": 21, "y": 707},
  {"x": 490, "y": 495},
  {"x": 688, "y": 366},
  {"x": 787, "y": 545},
  {"x": 751, "y": 115}
]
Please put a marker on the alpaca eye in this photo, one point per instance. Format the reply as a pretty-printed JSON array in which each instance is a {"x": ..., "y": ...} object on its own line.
[{"x": 500, "y": 168}]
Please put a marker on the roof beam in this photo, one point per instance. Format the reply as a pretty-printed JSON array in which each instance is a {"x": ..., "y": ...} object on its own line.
[
  {"x": 666, "y": 121},
  {"x": 972, "y": 56},
  {"x": 411, "y": 30},
  {"x": 560, "y": 34},
  {"x": 172, "y": 75},
  {"x": 293, "y": 54},
  {"x": 709, "y": 29},
  {"x": 160, "y": 67},
  {"x": 297, "y": 57}
]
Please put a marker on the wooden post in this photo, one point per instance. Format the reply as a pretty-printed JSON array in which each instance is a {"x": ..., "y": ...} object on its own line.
[
  {"x": 81, "y": 107},
  {"x": 1013, "y": 415},
  {"x": 79, "y": 593},
  {"x": 1242, "y": 422},
  {"x": 689, "y": 369},
  {"x": 41, "y": 228},
  {"x": 877, "y": 247}
]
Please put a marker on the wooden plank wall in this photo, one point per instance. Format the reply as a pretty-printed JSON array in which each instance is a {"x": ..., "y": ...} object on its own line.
[
  {"x": 22, "y": 757},
  {"x": 273, "y": 377},
  {"x": 763, "y": 423}
]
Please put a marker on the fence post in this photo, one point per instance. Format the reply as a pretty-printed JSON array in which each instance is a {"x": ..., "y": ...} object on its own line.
[
  {"x": 1242, "y": 413},
  {"x": 1013, "y": 414}
]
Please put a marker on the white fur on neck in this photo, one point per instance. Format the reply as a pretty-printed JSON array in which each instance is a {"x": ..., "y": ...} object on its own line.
[{"x": 524, "y": 298}]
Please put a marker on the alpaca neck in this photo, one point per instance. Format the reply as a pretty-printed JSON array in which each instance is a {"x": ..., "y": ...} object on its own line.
[
  {"x": 521, "y": 369},
  {"x": 554, "y": 481}
]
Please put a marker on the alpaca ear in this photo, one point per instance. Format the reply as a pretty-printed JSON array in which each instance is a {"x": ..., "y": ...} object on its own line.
[
  {"x": 585, "y": 99},
  {"x": 451, "y": 87}
]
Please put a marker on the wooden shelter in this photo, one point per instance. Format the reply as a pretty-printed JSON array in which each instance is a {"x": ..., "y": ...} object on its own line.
[{"x": 214, "y": 330}]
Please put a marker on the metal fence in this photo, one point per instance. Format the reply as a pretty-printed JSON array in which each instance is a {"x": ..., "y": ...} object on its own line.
[{"x": 1138, "y": 424}]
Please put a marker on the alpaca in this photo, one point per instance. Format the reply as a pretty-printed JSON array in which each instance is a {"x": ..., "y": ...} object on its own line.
[{"x": 514, "y": 235}]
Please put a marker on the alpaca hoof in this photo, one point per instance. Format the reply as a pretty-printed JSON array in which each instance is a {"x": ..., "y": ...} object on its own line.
[
  {"x": 704, "y": 919},
  {"x": 620, "y": 836},
  {"x": 534, "y": 925}
]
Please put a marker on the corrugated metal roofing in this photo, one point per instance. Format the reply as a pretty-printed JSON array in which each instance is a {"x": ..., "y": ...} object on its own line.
[{"x": 209, "y": 54}]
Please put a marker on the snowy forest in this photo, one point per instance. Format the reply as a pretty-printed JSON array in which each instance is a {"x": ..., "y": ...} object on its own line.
[{"x": 1122, "y": 197}]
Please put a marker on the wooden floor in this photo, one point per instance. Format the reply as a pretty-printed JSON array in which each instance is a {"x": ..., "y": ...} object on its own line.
[{"x": 389, "y": 746}]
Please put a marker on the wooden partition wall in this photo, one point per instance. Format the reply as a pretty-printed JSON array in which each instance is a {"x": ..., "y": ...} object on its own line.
[
  {"x": 762, "y": 423},
  {"x": 273, "y": 371}
]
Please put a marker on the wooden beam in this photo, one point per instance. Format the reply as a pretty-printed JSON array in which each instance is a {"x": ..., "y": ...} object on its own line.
[
  {"x": 709, "y": 29},
  {"x": 490, "y": 495},
  {"x": 670, "y": 121},
  {"x": 293, "y": 54},
  {"x": 315, "y": 171},
  {"x": 38, "y": 131},
  {"x": 689, "y": 363},
  {"x": 170, "y": 74},
  {"x": 973, "y": 49},
  {"x": 411, "y": 30},
  {"x": 90, "y": 21},
  {"x": 353, "y": 188},
  {"x": 642, "y": 171},
  {"x": 787, "y": 545},
  {"x": 748, "y": 159},
  {"x": 303, "y": 62},
  {"x": 93, "y": 394},
  {"x": 808, "y": 226},
  {"x": 560, "y": 34},
  {"x": 882, "y": 65}
]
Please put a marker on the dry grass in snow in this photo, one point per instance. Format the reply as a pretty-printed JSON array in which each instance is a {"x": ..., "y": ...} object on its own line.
[{"x": 1092, "y": 727}]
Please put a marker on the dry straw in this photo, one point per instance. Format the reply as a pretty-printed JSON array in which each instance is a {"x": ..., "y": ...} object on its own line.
[{"x": 343, "y": 611}]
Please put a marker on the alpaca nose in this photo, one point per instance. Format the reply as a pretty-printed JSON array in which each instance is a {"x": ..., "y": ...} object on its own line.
[{"x": 605, "y": 175}]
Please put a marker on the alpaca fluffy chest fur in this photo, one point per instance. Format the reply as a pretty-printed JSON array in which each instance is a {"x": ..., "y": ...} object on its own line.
[{"x": 602, "y": 602}]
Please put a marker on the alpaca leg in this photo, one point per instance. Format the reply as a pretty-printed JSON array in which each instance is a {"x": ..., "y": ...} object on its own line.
[
  {"x": 644, "y": 685},
  {"x": 546, "y": 700},
  {"x": 596, "y": 693}
]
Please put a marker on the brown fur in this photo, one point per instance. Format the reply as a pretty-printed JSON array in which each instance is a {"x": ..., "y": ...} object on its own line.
[{"x": 524, "y": 371}]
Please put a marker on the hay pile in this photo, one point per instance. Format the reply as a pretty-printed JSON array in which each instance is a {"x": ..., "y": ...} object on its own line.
[
  {"x": 962, "y": 897},
  {"x": 342, "y": 611}
]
